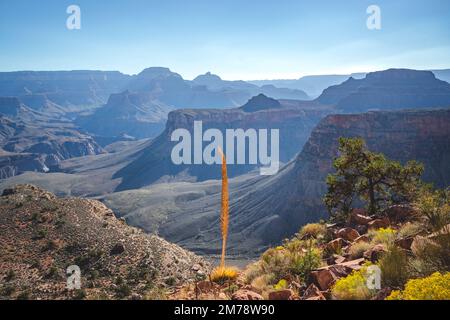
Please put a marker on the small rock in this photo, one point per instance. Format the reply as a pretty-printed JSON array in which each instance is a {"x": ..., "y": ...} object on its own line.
[
  {"x": 348, "y": 234},
  {"x": 313, "y": 293},
  {"x": 363, "y": 238},
  {"x": 359, "y": 216},
  {"x": 336, "y": 244},
  {"x": 379, "y": 223},
  {"x": 246, "y": 295},
  {"x": 285, "y": 294},
  {"x": 375, "y": 253},
  {"x": 405, "y": 243}
]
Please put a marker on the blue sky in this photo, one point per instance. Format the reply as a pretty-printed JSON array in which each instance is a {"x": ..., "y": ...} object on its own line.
[{"x": 237, "y": 39}]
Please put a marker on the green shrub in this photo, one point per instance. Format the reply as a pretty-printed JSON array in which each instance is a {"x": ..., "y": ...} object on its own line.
[
  {"x": 394, "y": 267},
  {"x": 357, "y": 249},
  {"x": 434, "y": 207}
]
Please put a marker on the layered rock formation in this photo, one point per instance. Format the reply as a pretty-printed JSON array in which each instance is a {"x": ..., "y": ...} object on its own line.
[
  {"x": 388, "y": 90},
  {"x": 294, "y": 120}
]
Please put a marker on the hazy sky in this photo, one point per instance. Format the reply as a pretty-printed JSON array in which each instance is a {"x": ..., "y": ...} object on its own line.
[{"x": 237, "y": 39}]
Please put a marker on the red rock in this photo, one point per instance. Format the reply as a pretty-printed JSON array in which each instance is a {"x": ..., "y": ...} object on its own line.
[
  {"x": 336, "y": 244},
  {"x": 375, "y": 253},
  {"x": 323, "y": 278},
  {"x": 400, "y": 212},
  {"x": 246, "y": 295},
  {"x": 379, "y": 223},
  {"x": 348, "y": 234},
  {"x": 363, "y": 238},
  {"x": 405, "y": 243},
  {"x": 313, "y": 293},
  {"x": 204, "y": 286},
  {"x": 359, "y": 216},
  {"x": 285, "y": 294}
]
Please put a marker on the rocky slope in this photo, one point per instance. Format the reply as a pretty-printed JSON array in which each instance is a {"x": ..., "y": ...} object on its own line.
[
  {"x": 69, "y": 89},
  {"x": 42, "y": 235},
  {"x": 39, "y": 145},
  {"x": 294, "y": 119},
  {"x": 137, "y": 115},
  {"x": 388, "y": 90}
]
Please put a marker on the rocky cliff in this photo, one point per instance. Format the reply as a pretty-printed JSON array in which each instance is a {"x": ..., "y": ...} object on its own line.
[{"x": 388, "y": 90}]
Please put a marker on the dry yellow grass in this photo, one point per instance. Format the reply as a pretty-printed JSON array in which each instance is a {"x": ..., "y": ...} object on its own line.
[{"x": 223, "y": 274}]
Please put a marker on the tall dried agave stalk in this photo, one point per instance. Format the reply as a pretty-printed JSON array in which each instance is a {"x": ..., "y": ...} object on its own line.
[{"x": 224, "y": 214}]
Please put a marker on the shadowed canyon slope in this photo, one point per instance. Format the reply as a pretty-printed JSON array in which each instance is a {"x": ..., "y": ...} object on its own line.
[{"x": 294, "y": 119}]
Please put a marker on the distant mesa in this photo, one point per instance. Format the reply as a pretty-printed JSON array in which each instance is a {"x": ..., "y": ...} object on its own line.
[{"x": 261, "y": 102}]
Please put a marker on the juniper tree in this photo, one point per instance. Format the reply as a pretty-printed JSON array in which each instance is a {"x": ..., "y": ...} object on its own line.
[{"x": 369, "y": 177}]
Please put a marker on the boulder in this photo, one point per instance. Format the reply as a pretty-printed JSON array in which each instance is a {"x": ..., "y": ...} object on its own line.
[
  {"x": 363, "y": 238},
  {"x": 359, "y": 216},
  {"x": 336, "y": 244},
  {"x": 400, "y": 212},
  {"x": 313, "y": 293},
  {"x": 375, "y": 253},
  {"x": 323, "y": 278},
  {"x": 285, "y": 294},
  {"x": 348, "y": 234},
  {"x": 246, "y": 295},
  {"x": 379, "y": 223},
  {"x": 405, "y": 243}
]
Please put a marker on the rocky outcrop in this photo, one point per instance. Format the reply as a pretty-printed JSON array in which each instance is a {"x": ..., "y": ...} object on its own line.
[
  {"x": 388, "y": 90},
  {"x": 136, "y": 115},
  {"x": 39, "y": 146}
]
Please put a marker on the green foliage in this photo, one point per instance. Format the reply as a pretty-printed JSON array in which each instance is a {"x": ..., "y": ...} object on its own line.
[
  {"x": 434, "y": 207},
  {"x": 369, "y": 176},
  {"x": 409, "y": 229},
  {"x": 394, "y": 267},
  {"x": 383, "y": 236},
  {"x": 353, "y": 287}
]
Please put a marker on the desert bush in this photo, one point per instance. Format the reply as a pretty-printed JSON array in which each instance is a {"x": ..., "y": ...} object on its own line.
[
  {"x": 302, "y": 263},
  {"x": 410, "y": 229},
  {"x": 434, "y": 287},
  {"x": 223, "y": 274},
  {"x": 276, "y": 261},
  {"x": 313, "y": 230},
  {"x": 434, "y": 208},
  {"x": 357, "y": 249},
  {"x": 156, "y": 294},
  {"x": 431, "y": 254},
  {"x": 382, "y": 236},
  {"x": 394, "y": 267},
  {"x": 264, "y": 282},
  {"x": 353, "y": 287},
  {"x": 282, "y": 284},
  {"x": 252, "y": 271}
]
